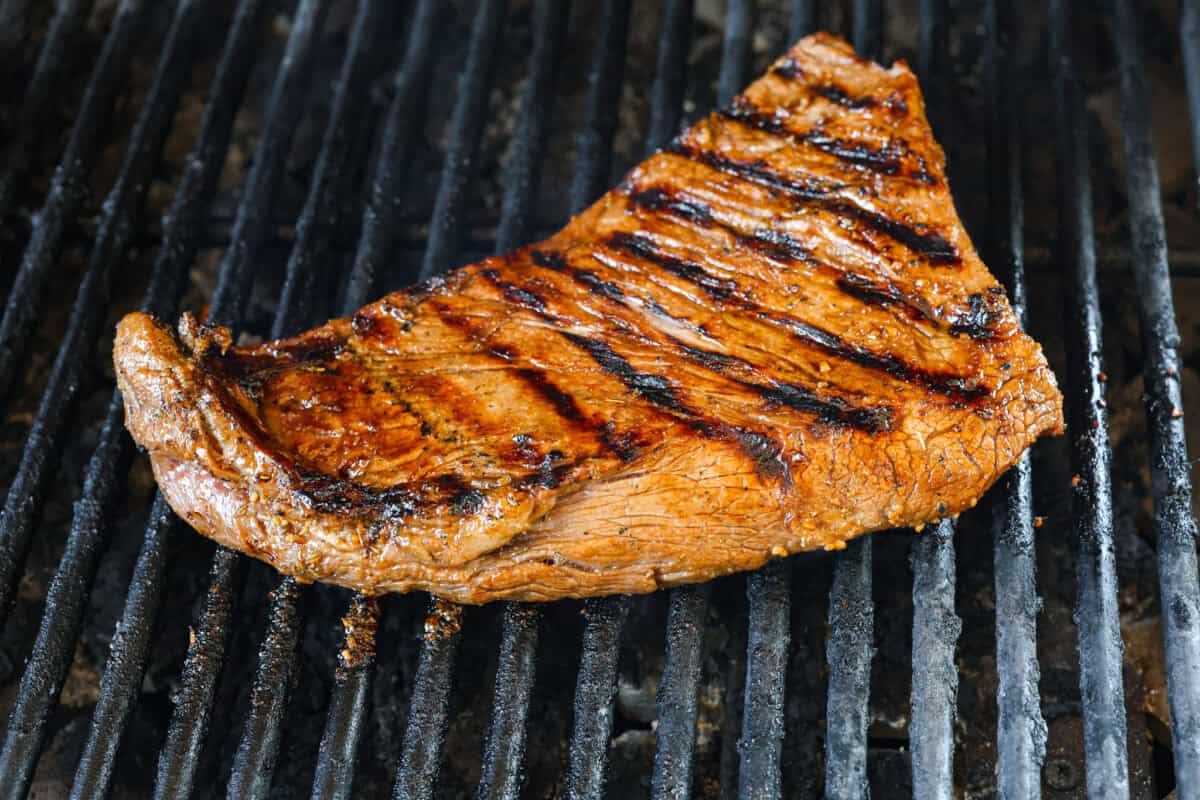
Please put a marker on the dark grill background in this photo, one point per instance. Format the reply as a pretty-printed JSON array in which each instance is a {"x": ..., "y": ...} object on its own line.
[{"x": 347, "y": 148}]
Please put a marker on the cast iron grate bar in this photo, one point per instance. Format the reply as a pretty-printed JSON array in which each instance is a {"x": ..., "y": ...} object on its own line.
[
  {"x": 678, "y": 694},
  {"x": 14, "y": 18},
  {"x": 605, "y": 617},
  {"x": 466, "y": 127},
  {"x": 35, "y": 106},
  {"x": 735, "y": 50},
  {"x": 54, "y": 649},
  {"x": 425, "y": 729},
  {"x": 524, "y": 165},
  {"x": 40, "y": 454},
  {"x": 1174, "y": 524},
  {"x": 382, "y": 212},
  {"x": 334, "y": 776},
  {"x": 769, "y": 597},
  {"x": 670, "y": 73},
  {"x": 68, "y": 190},
  {"x": 255, "y": 760},
  {"x": 848, "y": 651},
  {"x": 936, "y": 626},
  {"x": 594, "y": 689},
  {"x": 338, "y": 751},
  {"x": 1097, "y": 615},
  {"x": 593, "y": 152},
  {"x": 802, "y": 21},
  {"x": 1189, "y": 35},
  {"x": 851, "y": 608},
  {"x": 1021, "y": 729},
  {"x": 769, "y": 593},
  {"x": 182, "y": 226},
  {"x": 179, "y": 757},
  {"x": 504, "y": 745},
  {"x": 504, "y": 748}
]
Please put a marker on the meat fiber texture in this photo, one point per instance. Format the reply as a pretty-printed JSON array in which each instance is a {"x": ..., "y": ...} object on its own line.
[{"x": 773, "y": 336}]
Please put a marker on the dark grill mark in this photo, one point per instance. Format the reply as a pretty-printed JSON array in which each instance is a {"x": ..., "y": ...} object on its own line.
[
  {"x": 789, "y": 69},
  {"x": 928, "y": 243},
  {"x": 766, "y": 453},
  {"x": 775, "y": 244},
  {"x": 949, "y": 385},
  {"x": 564, "y": 404},
  {"x": 838, "y": 95},
  {"x": 549, "y": 259},
  {"x": 655, "y": 388},
  {"x": 517, "y": 295},
  {"x": 334, "y": 495},
  {"x": 594, "y": 283},
  {"x": 782, "y": 247},
  {"x": 656, "y": 199},
  {"x": 806, "y": 187},
  {"x": 723, "y": 290},
  {"x": 870, "y": 292},
  {"x": 467, "y": 502},
  {"x": 800, "y": 398},
  {"x": 886, "y": 160},
  {"x": 976, "y": 320},
  {"x": 834, "y": 411}
]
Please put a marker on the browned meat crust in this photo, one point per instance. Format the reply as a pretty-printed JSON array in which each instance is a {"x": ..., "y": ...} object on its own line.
[{"x": 775, "y": 335}]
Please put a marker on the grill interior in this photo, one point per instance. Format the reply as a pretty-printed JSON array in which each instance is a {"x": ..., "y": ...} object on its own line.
[{"x": 278, "y": 163}]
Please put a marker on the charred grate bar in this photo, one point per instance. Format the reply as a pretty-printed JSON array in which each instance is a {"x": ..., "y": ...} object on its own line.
[
  {"x": 764, "y": 722},
  {"x": 1099, "y": 622},
  {"x": 1174, "y": 521}
]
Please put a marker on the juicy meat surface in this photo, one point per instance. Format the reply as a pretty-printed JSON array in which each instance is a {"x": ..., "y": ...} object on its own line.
[{"x": 773, "y": 336}]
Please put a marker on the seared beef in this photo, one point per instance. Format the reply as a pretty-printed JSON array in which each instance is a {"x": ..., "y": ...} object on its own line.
[{"x": 775, "y": 335}]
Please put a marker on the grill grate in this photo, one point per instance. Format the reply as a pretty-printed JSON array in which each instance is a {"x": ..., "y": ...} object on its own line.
[
  {"x": 1099, "y": 625},
  {"x": 1022, "y": 729}
]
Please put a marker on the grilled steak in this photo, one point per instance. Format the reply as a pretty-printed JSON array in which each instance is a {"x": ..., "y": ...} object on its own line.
[{"x": 774, "y": 336}]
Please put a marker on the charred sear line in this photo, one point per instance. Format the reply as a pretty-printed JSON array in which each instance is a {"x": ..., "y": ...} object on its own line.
[
  {"x": 808, "y": 187},
  {"x": 838, "y": 95},
  {"x": 782, "y": 247},
  {"x": 928, "y": 243},
  {"x": 950, "y": 385},
  {"x": 549, "y": 259},
  {"x": 766, "y": 453},
  {"x": 836, "y": 411},
  {"x": 789, "y": 69},
  {"x": 655, "y": 388},
  {"x": 723, "y": 290},
  {"x": 538, "y": 381},
  {"x": 657, "y": 199},
  {"x": 775, "y": 244},
  {"x": 884, "y": 295},
  {"x": 517, "y": 295},
  {"x": 976, "y": 320},
  {"x": 832, "y": 411},
  {"x": 886, "y": 160},
  {"x": 584, "y": 277}
]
